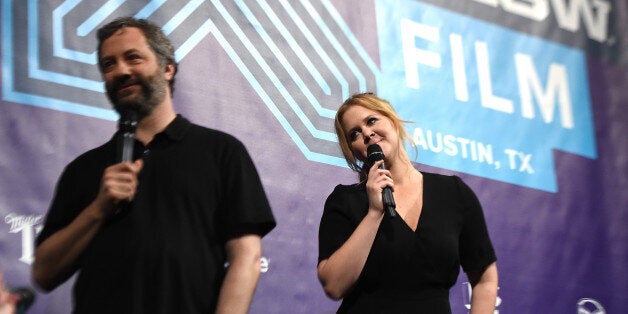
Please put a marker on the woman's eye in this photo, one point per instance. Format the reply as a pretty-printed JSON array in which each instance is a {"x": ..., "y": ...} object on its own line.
[
  {"x": 371, "y": 121},
  {"x": 353, "y": 135}
]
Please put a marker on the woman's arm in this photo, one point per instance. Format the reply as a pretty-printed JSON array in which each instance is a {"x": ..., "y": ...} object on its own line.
[
  {"x": 484, "y": 289},
  {"x": 341, "y": 270}
]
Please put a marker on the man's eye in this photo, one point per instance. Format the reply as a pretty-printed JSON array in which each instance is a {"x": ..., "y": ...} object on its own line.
[{"x": 106, "y": 65}]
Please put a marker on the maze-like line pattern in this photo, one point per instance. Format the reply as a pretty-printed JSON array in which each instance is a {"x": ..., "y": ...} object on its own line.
[{"x": 299, "y": 56}]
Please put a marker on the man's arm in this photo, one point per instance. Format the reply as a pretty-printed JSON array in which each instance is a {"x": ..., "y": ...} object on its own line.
[
  {"x": 243, "y": 253},
  {"x": 56, "y": 257}
]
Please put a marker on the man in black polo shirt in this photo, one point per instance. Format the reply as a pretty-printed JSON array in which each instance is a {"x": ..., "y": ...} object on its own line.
[{"x": 178, "y": 230}]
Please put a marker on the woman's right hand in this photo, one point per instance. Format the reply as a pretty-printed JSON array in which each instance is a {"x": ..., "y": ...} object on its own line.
[{"x": 377, "y": 180}]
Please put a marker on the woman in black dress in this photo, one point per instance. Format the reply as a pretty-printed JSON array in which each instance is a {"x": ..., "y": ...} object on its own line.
[{"x": 379, "y": 263}]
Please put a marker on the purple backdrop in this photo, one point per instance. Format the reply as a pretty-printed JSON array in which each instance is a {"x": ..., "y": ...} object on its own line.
[{"x": 557, "y": 252}]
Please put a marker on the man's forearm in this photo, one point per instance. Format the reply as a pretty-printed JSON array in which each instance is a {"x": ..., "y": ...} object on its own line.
[
  {"x": 55, "y": 258},
  {"x": 238, "y": 288},
  {"x": 244, "y": 253}
]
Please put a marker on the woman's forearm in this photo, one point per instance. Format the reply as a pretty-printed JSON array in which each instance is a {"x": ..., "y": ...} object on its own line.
[{"x": 341, "y": 270}]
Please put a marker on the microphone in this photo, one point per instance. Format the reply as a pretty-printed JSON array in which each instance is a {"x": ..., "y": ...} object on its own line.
[
  {"x": 127, "y": 126},
  {"x": 374, "y": 154},
  {"x": 126, "y": 141},
  {"x": 25, "y": 298}
]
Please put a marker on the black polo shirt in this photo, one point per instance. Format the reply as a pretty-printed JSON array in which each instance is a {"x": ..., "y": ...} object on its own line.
[{"x": 164, "y": 253}]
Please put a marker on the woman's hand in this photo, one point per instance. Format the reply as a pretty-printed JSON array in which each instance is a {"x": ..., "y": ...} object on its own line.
[{"x": 377, "y": 180}]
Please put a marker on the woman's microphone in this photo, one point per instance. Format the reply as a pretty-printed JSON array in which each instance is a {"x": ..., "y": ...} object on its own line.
[{"x": 374, "y": 154}]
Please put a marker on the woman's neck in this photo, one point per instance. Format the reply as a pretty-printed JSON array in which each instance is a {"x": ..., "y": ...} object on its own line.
[{"x": 401, "y": 168}]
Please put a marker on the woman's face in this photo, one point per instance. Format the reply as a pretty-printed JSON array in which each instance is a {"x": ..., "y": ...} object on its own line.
[{"x": 364, "y": 127}]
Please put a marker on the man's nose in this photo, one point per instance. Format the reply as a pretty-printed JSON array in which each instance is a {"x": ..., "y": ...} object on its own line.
[{"x": 121, "y": 69}]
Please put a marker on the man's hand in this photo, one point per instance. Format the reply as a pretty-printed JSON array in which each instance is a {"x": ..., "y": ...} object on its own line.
[{"x": 118, "y": 184}]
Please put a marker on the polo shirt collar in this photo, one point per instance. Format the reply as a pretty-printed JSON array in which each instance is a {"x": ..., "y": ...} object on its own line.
[{"x": 177, "y": 128}]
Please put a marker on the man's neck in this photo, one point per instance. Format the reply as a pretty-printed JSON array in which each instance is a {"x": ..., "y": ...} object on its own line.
[{"x": 155, "y": 122}]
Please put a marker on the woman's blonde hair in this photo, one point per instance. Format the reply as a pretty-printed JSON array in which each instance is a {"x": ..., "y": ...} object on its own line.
[{"x": 372, "y": 102}]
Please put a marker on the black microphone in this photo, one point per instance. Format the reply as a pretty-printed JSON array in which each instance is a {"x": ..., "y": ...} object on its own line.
[
  {"x": 126, "y": 141},
  {"x": 25, "y": 298},
  {"x": 374, "y": 154}
]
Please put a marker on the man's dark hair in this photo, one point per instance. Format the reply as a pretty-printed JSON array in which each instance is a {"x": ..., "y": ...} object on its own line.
[{"x": 157, "y": 40}]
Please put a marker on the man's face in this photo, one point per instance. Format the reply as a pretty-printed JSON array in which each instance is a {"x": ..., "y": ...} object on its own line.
[{"x": 134, "y": 79}]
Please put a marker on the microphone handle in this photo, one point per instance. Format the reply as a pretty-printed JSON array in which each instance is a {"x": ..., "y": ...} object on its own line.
[
  {"x": 389, "y": 201},
  {"x": 126, "y": 144},
  {"x": 387, "y": 198},
  {"x": 128, "y": 141},
  {"x": 127, "y": 125}
]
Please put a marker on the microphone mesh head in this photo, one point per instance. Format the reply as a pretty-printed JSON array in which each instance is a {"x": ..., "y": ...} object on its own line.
[
  {"x": 128, "y": 121},
  {"x": 374, "y": 153}
]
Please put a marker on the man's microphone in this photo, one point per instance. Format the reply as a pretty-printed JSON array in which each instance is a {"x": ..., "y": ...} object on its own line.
[
  {"x": 127, "y": 126},
  {"x": 126, "y": 142},
  {"x": 374, "y": 154}
]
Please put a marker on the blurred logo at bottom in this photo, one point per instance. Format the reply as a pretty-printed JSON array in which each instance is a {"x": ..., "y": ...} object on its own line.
[
  {"x": 590, "y": 306},
  {"x": 29, "y": 226}
]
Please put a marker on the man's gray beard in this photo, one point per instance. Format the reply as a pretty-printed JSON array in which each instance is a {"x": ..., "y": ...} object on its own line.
[
  {"x": 144, "y": 103},
  {"x": 142, "y": 108}
]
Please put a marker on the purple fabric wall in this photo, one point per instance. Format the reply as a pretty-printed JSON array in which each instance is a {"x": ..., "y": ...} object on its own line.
[{"x": 555, "y": 250}]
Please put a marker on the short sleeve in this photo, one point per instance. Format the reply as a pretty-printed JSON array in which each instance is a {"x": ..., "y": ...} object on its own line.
[
  {"x": 337, "y": 223},
  {"x": 246, "y": 206},
  {"x": 56, "y": 218},
  {"x": 476, "y": 250},
  {"x": 76, "y": 188}
]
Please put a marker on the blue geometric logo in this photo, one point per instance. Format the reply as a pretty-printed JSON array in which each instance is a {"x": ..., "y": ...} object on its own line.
[{"x": 299, "y": 56}]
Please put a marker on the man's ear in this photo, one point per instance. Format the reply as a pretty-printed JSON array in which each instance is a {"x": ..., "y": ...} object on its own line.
[{"x": 169, "y": 71}]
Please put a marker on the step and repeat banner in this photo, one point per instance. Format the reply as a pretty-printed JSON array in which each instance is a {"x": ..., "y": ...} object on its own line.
[{"x": 525, "y": 100}]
